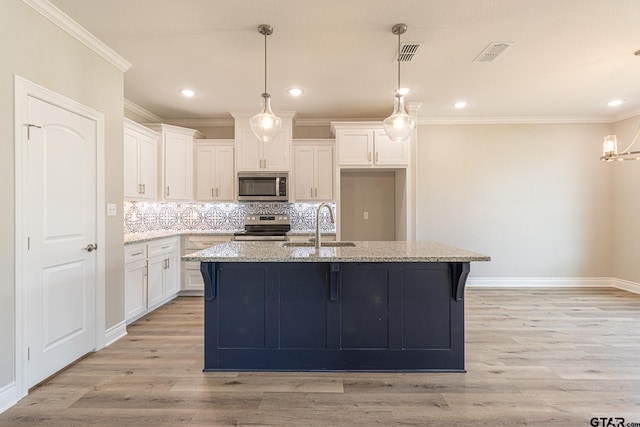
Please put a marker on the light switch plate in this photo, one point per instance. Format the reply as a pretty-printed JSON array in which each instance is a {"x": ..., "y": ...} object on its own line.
[{"x": 111, "y": 209}]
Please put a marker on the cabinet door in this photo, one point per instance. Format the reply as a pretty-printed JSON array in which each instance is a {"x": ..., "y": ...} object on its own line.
[
  {"x": 249, "y": 155},
  {"x": 135, "y": 288},
  {"x": 276, "y": 153},
  {"x": 205, "y": 179},
  {"x": 132, "y": 188},
  {"x": 323, "y": 173},
  {"x": 304, "y": 173},
  {"x": 388, "y": 152},
  {"x": 172, "y": 276},
  {"x": 178, "y": 165},
  {"x": 225, "y": 174},
  {"x": 155, "y": 280},
  {"x": 148, "y": 167},
  {"x": 355, "y": 147}
]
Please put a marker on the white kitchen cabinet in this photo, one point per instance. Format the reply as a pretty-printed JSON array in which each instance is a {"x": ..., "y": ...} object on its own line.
[
  {"x": 254, "y": 155},
  {"x": 152, "y": 276},
  {"x": 366, "y": 144},
  {"x": 313, "y": 170},
  {"x": 176, "y": 161},
  {"x": 192, "y": 283},
  {"x": 214, "y": 174},
  {"x": 140, "y": 161}
]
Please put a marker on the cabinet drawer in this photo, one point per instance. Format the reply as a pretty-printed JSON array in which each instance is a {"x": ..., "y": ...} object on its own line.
[
  {"x": 134, "y": 253},
  {"x": 196, "y": 243},
  {"x": 162, "y": 247}
]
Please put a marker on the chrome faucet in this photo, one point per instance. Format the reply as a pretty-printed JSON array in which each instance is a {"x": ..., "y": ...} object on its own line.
[{"x": 333, "y": 221}]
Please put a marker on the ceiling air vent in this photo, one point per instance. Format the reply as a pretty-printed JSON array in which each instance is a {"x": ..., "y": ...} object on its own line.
[
  {"x": 491, "y": 52},
  {"x": 407, "y": 52}
]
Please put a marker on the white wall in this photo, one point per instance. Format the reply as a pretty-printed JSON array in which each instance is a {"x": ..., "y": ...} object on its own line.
[
  {"x": 535, "y": 197},
  {"x": 625, "y": 194},
  {"x": 34, "y": 48}
]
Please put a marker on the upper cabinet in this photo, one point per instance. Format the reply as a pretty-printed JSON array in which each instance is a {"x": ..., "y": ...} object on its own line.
[
  {"x": 214, "y": 174},
  {"x": 176, "y": 161},
  {"x": 140, "y": 161},
  {"x": 365, "y": 144},
  {"x": 253, "y": 155},
  {"x": 313, "y": 170}
]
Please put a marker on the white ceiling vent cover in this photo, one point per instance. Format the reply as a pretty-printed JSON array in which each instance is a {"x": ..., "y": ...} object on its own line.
[
  {"x": 407, "y": 52},
  {"x": 492, "y": 51}
]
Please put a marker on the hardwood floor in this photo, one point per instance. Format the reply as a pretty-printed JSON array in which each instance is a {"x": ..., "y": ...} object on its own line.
[{"x": 535, "y": 357}]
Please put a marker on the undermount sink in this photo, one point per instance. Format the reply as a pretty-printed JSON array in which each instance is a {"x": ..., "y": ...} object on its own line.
[{"x": 312, "y": 244}]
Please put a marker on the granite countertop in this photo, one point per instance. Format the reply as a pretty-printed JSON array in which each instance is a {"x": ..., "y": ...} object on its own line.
[
  {"x": 362, "y": 252},
  {"x": 145, "y": 237}
]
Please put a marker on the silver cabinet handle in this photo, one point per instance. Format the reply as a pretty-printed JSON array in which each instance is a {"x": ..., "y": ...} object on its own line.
[
  {"x": 311, "y": 195},
  {"x": 91, "y": 247},
  {"x": 140, "y": 189},
  {"x": 168, "y": 192},
  {"x": 136, "y": 253},
  {"x": 217, "y": 195},
  {"x": 376, "y": 156},
  {"x": 369, "y": 156},
  {"x": 144, "y": 188}
]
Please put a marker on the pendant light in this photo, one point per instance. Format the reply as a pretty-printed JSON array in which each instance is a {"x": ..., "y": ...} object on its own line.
[
  {"x": 399, "y": 124},
  {"x": 265, "y": 125},
  {"x": 610, "y": 149}
]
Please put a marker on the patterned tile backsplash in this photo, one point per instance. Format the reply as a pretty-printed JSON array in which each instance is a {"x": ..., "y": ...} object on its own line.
[{"x": 143, "y": 217}]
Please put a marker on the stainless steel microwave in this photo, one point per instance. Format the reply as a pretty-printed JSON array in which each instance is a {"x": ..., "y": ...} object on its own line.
[{"x": 263, "y": 186}]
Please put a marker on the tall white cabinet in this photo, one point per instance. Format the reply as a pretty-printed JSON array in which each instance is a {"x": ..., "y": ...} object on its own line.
[
  {"x": 313, "y": 166},
  {"x": 176, "y": 161},
  {"x": 253, "y": 155},
  {"x": 140, "y": 161},
  {"x": 214, "y": 171}
]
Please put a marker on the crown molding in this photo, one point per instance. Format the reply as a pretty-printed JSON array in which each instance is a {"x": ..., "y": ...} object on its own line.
[
  {"x": 201, "y": 122},
  {"x": 503, "y": 120},
  {"x": 62, "y": 20},
  {"x": 627, "y": 115},
  {"x": 146, "y": 114}
]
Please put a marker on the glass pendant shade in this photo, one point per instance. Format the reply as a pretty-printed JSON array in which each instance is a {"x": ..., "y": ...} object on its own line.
[
  {"x": 399, "y": 124},
  {"x": 609, "y": 146},
  {"x": 266, "y": 125}
]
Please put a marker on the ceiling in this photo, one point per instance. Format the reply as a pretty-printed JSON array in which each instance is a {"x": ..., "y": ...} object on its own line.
[{"x": 567, "y": 60}]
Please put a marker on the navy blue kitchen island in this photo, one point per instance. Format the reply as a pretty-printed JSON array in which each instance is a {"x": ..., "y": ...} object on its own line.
[{"x": 378, "y": 306}]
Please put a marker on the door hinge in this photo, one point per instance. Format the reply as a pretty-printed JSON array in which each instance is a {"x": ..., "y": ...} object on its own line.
[{"x": 29, "y": 126}]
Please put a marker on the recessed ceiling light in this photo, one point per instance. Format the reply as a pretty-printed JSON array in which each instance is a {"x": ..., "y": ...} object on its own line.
[
  {"x": 188, "y": 92},
  {"x": 460, "y": 104},
  {"x": 295, "y": 91},
  {"x": 404, "y": 90},
  {"x": 615, "y": 102}
]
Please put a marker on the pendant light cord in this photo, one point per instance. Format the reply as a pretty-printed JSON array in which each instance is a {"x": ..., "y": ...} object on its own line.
[
  {"x": 398, "y": 91},
  {"x": 265, "y": 63}
]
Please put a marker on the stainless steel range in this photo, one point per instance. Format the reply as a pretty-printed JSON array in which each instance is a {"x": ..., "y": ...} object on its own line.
[{"x": 264, "y": 227}]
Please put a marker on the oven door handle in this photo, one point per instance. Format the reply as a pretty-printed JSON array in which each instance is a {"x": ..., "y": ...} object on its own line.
[{"x": 277, "y": 193}]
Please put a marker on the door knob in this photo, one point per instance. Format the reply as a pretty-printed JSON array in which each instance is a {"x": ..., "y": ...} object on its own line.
[{"x": 91, "y": 247}]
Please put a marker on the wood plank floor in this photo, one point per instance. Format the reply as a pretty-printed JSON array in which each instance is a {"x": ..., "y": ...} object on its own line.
[{"x": 535, "y": 357}]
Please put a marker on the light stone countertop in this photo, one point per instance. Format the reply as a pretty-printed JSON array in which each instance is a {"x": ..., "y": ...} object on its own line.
[
  {"x": 153, "y": 235},
  {"x": 145, "y": 237},
  {"x": 362, "y": 252}
]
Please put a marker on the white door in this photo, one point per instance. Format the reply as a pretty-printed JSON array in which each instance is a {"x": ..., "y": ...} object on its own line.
[
  {"x": 60, "y": 210},
  {"x": 304, "y": 167},
  {"x": 324, "y": 173}
]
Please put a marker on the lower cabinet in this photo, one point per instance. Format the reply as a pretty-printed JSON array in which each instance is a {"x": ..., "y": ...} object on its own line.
[
  {"x": 152, "y": 276},
  {"x": 192, "y": 283}
]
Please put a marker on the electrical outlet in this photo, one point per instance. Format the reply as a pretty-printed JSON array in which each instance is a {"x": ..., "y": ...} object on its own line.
[
  {"x": 111, "y": 209},
  {"x": 366, "y": 215}
]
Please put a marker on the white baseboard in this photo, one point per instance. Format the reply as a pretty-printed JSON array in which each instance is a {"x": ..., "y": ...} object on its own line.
[
  {"x": 114, "y": 333},
  {"x": 553, "y": 282},
  {"x": 8, "y": 396},
  {"x": 626, "y": 285},
  {"x": 540, "y": 282}
]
